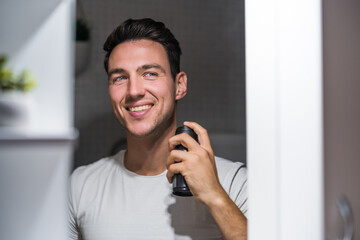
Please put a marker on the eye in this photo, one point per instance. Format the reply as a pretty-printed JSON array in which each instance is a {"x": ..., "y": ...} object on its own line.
[
  {"x": 150, "y": 75},
  {"x": 118, "y": 79}
]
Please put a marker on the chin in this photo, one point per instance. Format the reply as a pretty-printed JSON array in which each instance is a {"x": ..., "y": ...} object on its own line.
[
  {"x": 140, "y": 131},
  {"x": 139, "y": 134}
]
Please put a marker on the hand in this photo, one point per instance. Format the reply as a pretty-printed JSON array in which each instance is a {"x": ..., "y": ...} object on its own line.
[{"x": 197, "y": 165}]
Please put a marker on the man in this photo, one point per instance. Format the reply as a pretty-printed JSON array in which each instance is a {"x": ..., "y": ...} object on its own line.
[{"x": 128, "y": 195}]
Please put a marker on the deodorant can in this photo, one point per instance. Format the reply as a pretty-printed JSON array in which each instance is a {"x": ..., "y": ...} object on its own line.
[{"x": 180, "y": 187}]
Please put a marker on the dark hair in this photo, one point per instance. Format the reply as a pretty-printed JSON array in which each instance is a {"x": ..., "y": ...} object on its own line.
[{"x": 146, "y": 28}]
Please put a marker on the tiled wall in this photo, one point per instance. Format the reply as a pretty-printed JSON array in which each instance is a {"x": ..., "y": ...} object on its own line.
[{"x": 211, "y": 35}]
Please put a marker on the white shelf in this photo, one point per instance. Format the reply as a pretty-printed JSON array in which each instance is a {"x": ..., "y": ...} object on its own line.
[{"x": 25, "y": 134}]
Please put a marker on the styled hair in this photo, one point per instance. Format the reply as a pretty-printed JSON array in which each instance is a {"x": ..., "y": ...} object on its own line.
[{"x": 146, "y": 28}]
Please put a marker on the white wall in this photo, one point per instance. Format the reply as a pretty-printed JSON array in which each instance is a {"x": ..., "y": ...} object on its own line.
[
  {"x": 38, "y": 35},
  {"x": 35, "y": 161},
  {"x": 284, "y": 119}
]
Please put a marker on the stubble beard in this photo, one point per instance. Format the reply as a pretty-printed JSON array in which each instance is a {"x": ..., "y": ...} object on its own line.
[{"x": 158, "y": 126}]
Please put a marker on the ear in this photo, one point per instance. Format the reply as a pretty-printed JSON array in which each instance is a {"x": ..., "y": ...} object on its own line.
[{"x": 180, "y": 85}]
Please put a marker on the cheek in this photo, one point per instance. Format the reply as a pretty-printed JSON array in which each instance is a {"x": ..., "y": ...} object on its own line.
[
  {"x": 162, "y": 90},
  {"x": 115, "y": 94}
]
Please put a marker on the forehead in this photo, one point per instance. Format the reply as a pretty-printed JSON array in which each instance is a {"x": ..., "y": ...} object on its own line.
[{"x": 137, "y": 53}]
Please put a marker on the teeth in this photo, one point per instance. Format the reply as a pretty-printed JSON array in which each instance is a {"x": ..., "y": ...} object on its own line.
[{"x": 139, "y": 108}]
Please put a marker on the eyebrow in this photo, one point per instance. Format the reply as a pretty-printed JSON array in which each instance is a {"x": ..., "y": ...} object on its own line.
[
  {"x": 149, "y": 66},
  {"x": 116, "y": 70}
]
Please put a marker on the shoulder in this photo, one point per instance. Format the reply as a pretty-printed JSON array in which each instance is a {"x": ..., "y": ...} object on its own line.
[
  {"x": 227, "y": 170},
  {"x": 93, "y": 170},
  {"x": 89, "y": 177},
  {"x": 233, "y": 178}
]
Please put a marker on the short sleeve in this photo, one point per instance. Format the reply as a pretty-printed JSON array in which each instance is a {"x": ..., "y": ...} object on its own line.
[
  {"x": 238, "y": 191},
  {"x": 233, "y": 177},
  {"x": 73, "y": 228}
]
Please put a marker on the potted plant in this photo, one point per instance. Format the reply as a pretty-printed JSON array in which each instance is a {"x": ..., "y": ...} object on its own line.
[
  {"x": 15, "y": 103},
  {"x": 82, "y": 48}
]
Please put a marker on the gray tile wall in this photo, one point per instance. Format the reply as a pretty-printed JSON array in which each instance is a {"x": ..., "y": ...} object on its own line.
[{"x": 211, "y": 35}]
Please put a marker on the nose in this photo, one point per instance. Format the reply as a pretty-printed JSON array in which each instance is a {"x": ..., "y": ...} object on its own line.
[{"x": 136, "y": 88}]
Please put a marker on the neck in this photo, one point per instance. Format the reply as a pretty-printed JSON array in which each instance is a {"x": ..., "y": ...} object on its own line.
[{"x": 148, "y": 155}]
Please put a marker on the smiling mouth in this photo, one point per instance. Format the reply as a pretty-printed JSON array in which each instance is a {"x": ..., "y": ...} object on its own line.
[{"x": 139, "y": 108}]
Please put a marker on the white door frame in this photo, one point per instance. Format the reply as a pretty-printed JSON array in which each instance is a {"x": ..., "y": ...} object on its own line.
[{"x": 284, "y": 119}]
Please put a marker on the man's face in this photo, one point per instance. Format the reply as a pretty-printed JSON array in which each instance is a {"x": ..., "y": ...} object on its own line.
[{"x": 141, "y": 88}]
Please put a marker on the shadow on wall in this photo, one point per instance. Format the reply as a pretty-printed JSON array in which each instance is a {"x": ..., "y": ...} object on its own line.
[
  {"x": 94, "y": 145},
  {"x": 181, "y": 213}
]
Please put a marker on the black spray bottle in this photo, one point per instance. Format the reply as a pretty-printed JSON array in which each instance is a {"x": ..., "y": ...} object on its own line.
[{"x": 180, "y": 187}]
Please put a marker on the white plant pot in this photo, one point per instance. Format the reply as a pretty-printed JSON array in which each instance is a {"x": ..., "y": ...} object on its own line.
[
  {"x": 15, "y": 108},
  {"x": 82, "y": 55}
]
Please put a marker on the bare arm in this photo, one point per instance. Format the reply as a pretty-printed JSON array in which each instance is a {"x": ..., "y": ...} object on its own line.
[
  {"x": 231, "y": 221},
  {"x": 199, "y": 169}
]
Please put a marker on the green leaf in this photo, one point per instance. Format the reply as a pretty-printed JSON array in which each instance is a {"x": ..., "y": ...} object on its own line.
[{"x": 25, "y": 81}]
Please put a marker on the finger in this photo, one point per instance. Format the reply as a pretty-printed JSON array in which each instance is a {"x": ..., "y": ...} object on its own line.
[
  {"x": 183, "y": 139},
  {"x": 172, "y": 170},
  {"x": 202, "y": 133},
  {"x": 176, "y": 156}
]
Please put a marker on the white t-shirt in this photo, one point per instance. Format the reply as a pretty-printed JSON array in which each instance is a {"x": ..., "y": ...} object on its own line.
[{"x": 109, "y": 202}]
